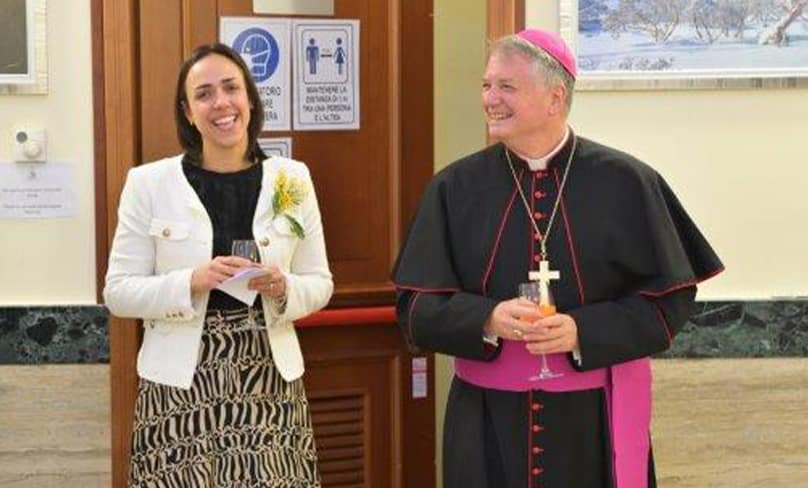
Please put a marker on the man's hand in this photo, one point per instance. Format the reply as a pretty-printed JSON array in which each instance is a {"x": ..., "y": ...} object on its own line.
[
  {"x": 553, "y": 334},
  {"x": 511, "y": 319}
]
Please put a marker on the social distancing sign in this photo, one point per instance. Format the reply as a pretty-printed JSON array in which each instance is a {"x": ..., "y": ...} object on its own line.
[
  {"x": 324, "y": 55},
  {"x": 264, "y": 44},
  {"x": 326, "y": 92}
]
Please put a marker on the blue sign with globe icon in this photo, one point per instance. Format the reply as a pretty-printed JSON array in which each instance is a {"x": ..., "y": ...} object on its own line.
[{"x": 260, "y": 51}]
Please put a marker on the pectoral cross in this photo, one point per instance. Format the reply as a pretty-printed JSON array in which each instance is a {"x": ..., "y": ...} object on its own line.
[{"x": 543, "y": 276}]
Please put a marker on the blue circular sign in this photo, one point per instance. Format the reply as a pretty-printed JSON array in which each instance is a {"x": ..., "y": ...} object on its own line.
[{"x": 260, "y": 51}]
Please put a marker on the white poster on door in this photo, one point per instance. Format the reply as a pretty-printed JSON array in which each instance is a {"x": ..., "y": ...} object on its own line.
[
  {"x": 264, "y": 44},
  {"x": 276, "y": 146},
  {"x": 326, "y": 93}
]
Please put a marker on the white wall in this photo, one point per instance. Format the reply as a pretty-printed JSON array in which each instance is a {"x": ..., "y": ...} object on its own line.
[
  {"x": 736, "y": 159},
  {"x": 44, "y": 262},
  {"x": 459, "y": 31},
  {"x": 460, "y": 45}
]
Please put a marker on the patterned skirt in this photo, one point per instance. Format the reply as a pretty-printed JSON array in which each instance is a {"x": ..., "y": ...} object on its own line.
[{"x": 240, "y": 425}]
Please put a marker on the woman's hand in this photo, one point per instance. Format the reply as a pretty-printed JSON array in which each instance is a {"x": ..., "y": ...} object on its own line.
[
  {"x": 211, "y": 274},
  {"x": 272, "y": 284}
]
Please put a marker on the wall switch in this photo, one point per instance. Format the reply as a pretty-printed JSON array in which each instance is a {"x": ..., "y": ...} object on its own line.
[{"x": 29, "y": 145}]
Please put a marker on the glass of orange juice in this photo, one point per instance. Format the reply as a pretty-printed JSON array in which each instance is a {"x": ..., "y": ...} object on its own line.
[{"x": 546, "y": 306}]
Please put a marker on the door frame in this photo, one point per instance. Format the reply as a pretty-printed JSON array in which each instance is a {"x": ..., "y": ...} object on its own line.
[
  {"x": 505, "y": 17},
  {"x": 114, "y": 54}
]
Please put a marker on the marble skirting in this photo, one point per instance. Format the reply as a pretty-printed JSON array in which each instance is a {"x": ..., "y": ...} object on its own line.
[
  {"x": 716, "y": 329},
  {"x": 56, "y": 334},
  {"x": 737, "y": 329}
]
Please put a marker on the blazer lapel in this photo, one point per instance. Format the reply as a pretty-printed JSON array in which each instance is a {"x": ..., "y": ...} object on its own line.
[
  {"x": 186, "y": 191},
  {"x": 263, "y": 209}
]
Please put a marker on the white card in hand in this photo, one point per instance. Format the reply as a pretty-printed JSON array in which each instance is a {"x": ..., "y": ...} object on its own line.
[{"x": 236, "y": 286}]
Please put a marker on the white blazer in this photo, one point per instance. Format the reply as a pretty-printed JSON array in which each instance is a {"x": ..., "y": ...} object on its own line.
[{"x": 164, "y": 232}]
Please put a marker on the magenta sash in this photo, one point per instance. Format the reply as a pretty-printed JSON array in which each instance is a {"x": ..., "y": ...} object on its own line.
[{"x": 628, "y": 398}]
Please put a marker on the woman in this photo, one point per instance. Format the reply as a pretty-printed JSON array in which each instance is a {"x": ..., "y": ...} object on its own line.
[{"x": 220, "y": 402}]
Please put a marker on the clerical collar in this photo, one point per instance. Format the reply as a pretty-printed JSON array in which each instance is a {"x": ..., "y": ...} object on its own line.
[{"x": 541, "y": 163}]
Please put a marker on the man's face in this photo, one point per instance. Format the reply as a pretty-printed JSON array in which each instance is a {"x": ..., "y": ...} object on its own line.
[{"x": 517, "y": 103}]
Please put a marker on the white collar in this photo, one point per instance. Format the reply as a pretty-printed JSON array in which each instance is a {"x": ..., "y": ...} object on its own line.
[{"x": 541, "y": 163}]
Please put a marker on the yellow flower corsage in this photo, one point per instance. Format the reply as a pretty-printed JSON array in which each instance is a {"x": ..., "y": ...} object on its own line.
[{"x": 289, "y": 193}]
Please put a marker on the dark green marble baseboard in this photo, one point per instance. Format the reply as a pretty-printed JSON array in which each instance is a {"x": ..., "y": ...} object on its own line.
[
  {"x": 736, "y": 329},
  {"x": 717, "y": 329},
  {"x": 57, "y": 334}
]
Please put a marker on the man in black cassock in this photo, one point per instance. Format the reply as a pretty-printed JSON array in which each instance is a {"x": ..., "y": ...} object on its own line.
[{"x": 629, "y": 258}]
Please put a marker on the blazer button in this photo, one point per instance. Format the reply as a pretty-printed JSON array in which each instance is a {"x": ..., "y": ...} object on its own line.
[
  {"x": 166, "y": 232},
  {"x": 264, "y": 242}
]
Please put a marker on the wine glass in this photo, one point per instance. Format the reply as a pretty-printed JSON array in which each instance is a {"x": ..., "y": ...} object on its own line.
[
  {"x": 245, "y": 248},
  {"x": 546, "y": 306}
]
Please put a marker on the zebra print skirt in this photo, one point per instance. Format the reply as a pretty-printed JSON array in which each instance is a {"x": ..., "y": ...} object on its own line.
[{"x": 240, "y": 425}]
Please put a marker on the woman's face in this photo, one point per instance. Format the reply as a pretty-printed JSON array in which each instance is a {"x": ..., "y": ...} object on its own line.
[{"x": 218, "y": 104}]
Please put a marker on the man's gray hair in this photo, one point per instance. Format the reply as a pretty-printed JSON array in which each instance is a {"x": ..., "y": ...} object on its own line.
[{"x": 551, "y": 71}]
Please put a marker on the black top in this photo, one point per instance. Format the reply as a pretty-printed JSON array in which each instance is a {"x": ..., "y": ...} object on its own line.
[{"x": 230, "y": 200}]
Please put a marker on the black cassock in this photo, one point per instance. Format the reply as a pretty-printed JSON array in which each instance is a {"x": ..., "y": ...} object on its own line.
[{"x": 629, "y": 258}]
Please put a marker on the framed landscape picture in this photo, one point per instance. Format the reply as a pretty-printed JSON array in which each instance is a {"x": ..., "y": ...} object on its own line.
[{"x": 669, "y": 44}]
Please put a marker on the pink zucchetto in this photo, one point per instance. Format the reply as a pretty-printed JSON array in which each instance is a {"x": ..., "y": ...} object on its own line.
[{"x": 554, "y": 45}]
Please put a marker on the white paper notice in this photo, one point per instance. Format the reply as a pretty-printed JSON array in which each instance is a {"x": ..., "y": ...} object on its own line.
[
  {"x": 264, "y": 44},
  {"x": 276, "y": 146},
  {"x": 419, "y": 377},
  {"x": 37, "y": 190},
  {"x": 236, "y": 286},
  {"x": 326, "y": 93}
]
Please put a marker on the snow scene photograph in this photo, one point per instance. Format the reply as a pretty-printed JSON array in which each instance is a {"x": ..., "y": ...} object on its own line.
[{"x": 716, "y": 37}]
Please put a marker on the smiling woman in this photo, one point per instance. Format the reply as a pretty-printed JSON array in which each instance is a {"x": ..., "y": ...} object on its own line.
[{"x": 221, "y": 373}]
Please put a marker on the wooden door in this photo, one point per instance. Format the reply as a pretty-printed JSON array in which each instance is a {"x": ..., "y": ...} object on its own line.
[{"x": 368, "y": 182}]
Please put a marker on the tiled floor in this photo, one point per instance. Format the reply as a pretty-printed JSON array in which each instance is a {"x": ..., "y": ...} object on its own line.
[
  {"x": 718, "y": 423},
  {"x": 731, "y": 423},
  {"x": 54, "y": 426}
]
